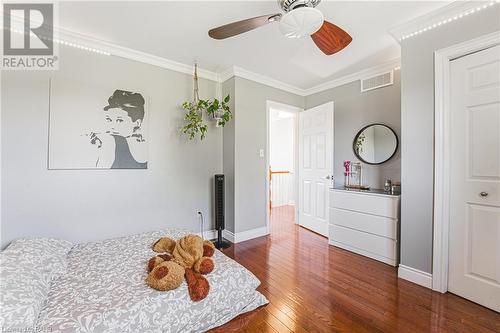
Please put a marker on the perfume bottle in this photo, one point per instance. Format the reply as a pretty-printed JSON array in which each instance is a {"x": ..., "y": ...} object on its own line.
[
  {"x": 387, "y": 185},
  {"x": 347, "y": 170}
]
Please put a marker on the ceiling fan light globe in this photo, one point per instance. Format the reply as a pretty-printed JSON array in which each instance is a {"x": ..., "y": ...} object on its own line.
[{"x": 301, "y": 22}]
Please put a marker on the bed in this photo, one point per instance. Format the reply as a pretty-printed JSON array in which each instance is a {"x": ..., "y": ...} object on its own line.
[{"x": 56, "y": 286}]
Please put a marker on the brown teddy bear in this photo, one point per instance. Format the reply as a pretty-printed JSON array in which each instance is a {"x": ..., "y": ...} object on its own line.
[{"x": 189, "y": 257}]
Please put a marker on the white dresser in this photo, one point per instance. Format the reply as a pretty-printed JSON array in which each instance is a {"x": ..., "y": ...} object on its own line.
[{"x": 365, "y": 222}]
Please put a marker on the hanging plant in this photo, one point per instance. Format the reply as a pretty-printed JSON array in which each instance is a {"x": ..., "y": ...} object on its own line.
[
  {"x": 218, "y": 110},
  {"x": 194, "y": 119}
]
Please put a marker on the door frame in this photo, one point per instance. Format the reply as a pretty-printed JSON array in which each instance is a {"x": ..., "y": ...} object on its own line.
[
  {"x": 442, "y": 144},
  {"x": 289, "y": 108}
]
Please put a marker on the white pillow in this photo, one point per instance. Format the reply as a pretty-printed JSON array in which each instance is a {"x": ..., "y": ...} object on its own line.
[
  {"x": 50, "y": 252},
  {"x": 27, "y": 267}
]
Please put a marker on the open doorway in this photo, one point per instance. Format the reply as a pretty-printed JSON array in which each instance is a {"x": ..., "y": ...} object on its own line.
[{"x": 282, "y": 165}]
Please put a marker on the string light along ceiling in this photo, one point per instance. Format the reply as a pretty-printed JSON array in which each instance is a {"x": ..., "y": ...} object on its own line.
[{"x": 450, "y": 19}]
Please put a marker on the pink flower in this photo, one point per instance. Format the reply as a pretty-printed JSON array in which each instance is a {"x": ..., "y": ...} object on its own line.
[{"x": 347, "y": 165}]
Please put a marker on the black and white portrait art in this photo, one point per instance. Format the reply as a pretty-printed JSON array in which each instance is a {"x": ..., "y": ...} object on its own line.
[{"x": 96, "y": 128}]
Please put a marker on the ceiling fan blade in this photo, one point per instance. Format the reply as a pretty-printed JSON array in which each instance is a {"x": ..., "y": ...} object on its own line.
[
  {"x": 331, "y": 39},
  {"x": 236, "y": 28}
]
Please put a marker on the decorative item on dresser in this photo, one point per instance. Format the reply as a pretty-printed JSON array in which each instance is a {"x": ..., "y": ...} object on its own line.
[
  {"x": 387, "y": 185},
  {"x": 365, "y": 222},
  {"x": 353, "y": 176}
]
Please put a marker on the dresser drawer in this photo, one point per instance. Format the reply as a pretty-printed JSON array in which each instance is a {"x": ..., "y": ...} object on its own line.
[
  {"x": 381, "y": 205},
  {"x": 378, "y": 225},
  {"x": 379, "y": 246}
]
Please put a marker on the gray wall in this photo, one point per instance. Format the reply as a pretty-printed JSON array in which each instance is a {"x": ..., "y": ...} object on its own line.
[
  {"x": 250, "y": 137},
  {"x": 353, "y": 111},
  {"x": 85, "y": 205},
  {"x": 417, "y": 120},
  {"x": 228, "y": 156}
]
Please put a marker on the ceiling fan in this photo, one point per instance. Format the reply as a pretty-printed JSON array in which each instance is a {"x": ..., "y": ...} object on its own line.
[{"x": 300, "y": 19}]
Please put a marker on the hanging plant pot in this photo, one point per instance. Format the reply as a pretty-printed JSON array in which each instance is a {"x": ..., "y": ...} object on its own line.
[
  {"x": 218, "y": 117},
  {"x": 218, "y": 110}
]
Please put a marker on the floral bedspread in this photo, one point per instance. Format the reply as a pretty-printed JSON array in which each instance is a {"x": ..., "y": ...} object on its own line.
[{"x": 104, "y": 290}]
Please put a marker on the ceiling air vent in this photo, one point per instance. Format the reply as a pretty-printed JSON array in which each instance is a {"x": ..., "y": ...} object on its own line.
[{"x": 377, "y": 81}]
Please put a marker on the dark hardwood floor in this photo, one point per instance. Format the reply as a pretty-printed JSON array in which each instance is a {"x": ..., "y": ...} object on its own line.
[{"x": 314, "y": 287}]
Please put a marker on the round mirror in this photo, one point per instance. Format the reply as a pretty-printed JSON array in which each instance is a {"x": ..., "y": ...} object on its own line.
[{"x": 375, "y": 144}]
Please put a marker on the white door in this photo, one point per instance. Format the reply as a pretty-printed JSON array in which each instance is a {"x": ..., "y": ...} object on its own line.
[
  {"x": 474, "y": 235},
  {"x": 315, "y": 166}
]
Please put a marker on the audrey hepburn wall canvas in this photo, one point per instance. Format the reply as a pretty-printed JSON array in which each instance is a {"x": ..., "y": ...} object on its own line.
[{"x": 97, "y": 127}]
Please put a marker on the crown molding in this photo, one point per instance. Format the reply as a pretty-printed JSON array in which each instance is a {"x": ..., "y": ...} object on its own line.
[
  {"x": 259, "y": 78},
  {"x": 70, "y": 38},
  {"x": 226, "y": 75},
  {"x": 77, "y": 40},
  {"x": 236, "y": 71},
  {"x": 128, "y": 53},
  {"x": 434, "y": 18},
  {"x": 131, "y": 54},
  {"x": 80, "y": 41},
  {"x": 368, "y": 72}
]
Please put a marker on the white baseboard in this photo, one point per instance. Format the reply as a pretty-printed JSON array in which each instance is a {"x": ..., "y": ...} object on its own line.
[
  {"x": 212, "y": 234},
  {"x": 250, "y": 234},
  {"x": 208, "y": 234},
  {"x": 228, "y": 235},
  {"x": 238, "y": 237},
  {"x": 416, "y": 276}
]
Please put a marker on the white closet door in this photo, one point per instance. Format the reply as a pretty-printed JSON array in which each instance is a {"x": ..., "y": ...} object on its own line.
[
  {"x": 315, "y": 166},
  {"x": 474, "y": 239}
]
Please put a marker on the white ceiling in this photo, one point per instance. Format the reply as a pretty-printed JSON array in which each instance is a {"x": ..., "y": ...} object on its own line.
[{"x": 177, "y": 30}]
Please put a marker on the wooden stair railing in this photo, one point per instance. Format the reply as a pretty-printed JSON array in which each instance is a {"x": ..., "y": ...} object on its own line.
[{"x": 271, "y": 173}]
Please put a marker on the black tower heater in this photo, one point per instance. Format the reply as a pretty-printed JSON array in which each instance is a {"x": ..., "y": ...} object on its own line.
[{"x": 220, "y": 242}]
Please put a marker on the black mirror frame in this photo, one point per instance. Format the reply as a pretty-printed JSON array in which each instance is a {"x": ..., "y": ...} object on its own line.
[{"x": 361, "y": 131}]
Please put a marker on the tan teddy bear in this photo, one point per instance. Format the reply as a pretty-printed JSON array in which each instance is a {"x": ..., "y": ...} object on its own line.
[{"x": 189, "y": 257}]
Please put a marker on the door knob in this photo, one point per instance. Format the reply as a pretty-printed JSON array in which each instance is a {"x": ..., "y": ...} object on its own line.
[
  {"x": 483, "y": 194},
  {"x": 327, "y": 177}
]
